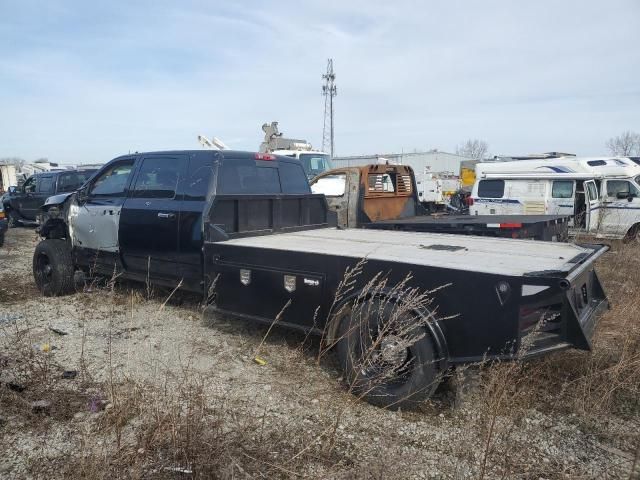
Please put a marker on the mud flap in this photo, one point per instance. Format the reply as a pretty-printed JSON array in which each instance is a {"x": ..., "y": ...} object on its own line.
[{"x": 585, "y": 300}]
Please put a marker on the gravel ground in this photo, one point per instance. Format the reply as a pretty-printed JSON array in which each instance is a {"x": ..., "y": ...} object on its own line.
[{"x": 124, "y": 335}]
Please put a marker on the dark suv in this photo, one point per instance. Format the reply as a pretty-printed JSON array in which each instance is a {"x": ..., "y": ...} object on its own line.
[{"x": 23, "y": 205}]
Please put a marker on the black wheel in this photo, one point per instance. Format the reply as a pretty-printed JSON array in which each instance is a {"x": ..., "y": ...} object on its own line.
[
  {"x": 53, "y": 268},
  {"x": 13, "y": 219},
  {"x": 1, "y": 239},
  {"x": 388, "y": 358},
  {"x": 633, "y": 235}
]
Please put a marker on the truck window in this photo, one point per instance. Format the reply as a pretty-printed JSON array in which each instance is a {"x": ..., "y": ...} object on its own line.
[
  {"x": 622, "y": 187},
  {"x": 158, "y": 178},
  {"x": 45, "y": 185},
  {"x": 381, "y": 183},
  {"x": 198, "y": 178},
  {"x": 30, "y": 185},
  {"x": 68, "y": 182},
  {"x": 562, "y": 189},
  {"x": 491, "y": 188},
  {"x": 293, "y": 178},
  {"x": 243, "y": 176},
  {"x": 330, "y": 185},
  {"x": 112, "y": 182},
  {"x": 315, "y": 163}
]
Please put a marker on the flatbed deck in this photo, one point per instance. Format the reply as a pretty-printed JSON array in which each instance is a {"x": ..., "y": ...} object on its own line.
[
  {"x": 537, "y": 227},
  {"x": 480, "y": 254},
  {"x": 484, "y": 220}
]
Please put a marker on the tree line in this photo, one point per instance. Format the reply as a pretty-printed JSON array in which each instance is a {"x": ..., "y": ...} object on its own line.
[{"x": 627, "y": 144}]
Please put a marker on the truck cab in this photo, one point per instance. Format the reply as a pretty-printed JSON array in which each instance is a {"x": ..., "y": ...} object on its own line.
[
  {"x": 142, "y": 214},
  {"x": 370, "y": 193}
]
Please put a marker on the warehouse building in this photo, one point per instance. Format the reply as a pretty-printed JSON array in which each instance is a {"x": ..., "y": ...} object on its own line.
[{"x": 431, "y": 161}]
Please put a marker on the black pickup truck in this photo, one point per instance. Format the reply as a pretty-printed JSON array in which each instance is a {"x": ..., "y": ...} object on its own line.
[
  {"x": 22, "y": 206},
  {"x": 245, "y": 232}
]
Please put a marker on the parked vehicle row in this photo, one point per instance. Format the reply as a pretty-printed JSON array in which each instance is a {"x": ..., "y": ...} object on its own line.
[
  {"x": 386, "y": 197},
  {"x": 245, "y": 231},
  {"x": 602, "y": 195}
]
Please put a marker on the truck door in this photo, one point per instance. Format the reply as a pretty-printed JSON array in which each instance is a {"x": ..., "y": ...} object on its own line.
[
  {"x": 94, "y": 219},
  {"x": 150, "y": 215},
  {"x": 621, "y": 204},
  {"x": 340, "y": 197},
  {"x": 593, "y": 212},
  {"x": 25, "y": 201},
  {"x": 44, "y": 189}
]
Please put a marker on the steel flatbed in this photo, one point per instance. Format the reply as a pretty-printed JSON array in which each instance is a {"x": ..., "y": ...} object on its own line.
[{"x": 539, "y": 227}]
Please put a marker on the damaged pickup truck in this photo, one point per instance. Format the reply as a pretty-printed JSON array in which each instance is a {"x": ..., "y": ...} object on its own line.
[{"x": 244, "y": 231}]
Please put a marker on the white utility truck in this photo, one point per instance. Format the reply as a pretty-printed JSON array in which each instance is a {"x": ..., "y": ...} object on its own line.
[
  {"x": 314, "y": 162},
  {"x": 601, "y": 193}
]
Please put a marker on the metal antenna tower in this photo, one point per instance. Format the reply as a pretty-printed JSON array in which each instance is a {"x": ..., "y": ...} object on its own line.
[{"x": 329, "y": 91}]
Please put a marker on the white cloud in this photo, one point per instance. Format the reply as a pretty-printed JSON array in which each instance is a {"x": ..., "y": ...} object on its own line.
[{"x": 87, "y": 83}]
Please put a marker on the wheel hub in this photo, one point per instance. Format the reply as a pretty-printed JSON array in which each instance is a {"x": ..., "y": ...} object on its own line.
[{"x": 392, "y": 351}]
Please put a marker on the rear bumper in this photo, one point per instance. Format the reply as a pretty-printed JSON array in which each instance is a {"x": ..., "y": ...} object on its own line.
[{"x": 575, "y": 310}]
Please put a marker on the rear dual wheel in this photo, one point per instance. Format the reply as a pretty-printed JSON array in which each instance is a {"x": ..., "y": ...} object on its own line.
[{"x": 389, "y": 360}]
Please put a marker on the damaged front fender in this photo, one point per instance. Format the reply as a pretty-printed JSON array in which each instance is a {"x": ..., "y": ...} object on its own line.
[{"x": 53, "y": 219}]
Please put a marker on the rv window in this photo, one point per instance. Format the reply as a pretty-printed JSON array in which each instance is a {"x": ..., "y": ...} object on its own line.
[
  {"x": 491, "y": 188},
  {"x": 562, "y": 189},
  {"x": 615, "y": 187},
  {"x": 593, "y": 193},
  {"x": 597, "y": 163}
]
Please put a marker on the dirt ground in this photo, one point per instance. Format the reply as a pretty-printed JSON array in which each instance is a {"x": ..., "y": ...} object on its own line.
[{"x": 153, "y": 378}]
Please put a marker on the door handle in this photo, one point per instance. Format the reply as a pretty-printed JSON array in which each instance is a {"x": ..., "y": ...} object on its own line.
[{"x": 166, "y": 215}]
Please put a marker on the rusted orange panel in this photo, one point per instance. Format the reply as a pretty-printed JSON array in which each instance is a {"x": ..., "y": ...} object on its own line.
[{"x": 380, "y": 203}]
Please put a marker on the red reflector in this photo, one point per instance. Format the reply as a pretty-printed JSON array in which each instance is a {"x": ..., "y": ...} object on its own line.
[
  {"x": 510, "y": 225},
  {"x": 265, "y": 156}
]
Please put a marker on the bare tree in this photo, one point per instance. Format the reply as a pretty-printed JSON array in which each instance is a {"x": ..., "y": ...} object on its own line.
[
  {"x": 624, "y": 145},
  {"x": 17, "y": 161},
  {"x": 473, "y": 148}
]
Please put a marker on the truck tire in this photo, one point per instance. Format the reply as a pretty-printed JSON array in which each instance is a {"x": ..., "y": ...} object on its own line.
[
  {"x": 13, "y": 219},
  {"x": 53, "y": 268},
  {"x": 397, "y": 371},
  {"x": 633, "y": 235},
  {"x": 1, "y": 239}
]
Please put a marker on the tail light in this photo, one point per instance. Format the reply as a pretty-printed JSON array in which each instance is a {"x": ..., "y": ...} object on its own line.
[{"x": 469, "y": 201}]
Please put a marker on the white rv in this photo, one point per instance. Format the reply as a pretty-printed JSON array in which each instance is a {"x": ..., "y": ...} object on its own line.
[{"x": 602, "y": 194}]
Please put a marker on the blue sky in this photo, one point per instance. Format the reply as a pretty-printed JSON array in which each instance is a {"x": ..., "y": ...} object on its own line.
[{"x": 87, "y": 81}]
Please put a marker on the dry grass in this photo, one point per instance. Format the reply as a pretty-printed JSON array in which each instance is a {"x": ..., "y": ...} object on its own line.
[{"x": 174, "y": 427}]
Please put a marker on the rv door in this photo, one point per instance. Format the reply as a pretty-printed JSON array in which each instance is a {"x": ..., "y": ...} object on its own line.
[{"x": 593, "y": 206}]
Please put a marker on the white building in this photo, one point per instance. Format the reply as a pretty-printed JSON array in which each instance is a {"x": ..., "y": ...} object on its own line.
[{"x": 431, "y": 161}]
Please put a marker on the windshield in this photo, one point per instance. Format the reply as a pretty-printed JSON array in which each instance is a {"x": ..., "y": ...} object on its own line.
[
  {"x": 315, "y": 163},
  {"x": 69, "y": 182}
]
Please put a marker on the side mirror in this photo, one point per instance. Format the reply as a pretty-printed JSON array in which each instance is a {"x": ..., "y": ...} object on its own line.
[
  {"x": 622, "y": 195},
  {"x": 12, "y": 190},
  {"x": 82, "y": 195}
]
